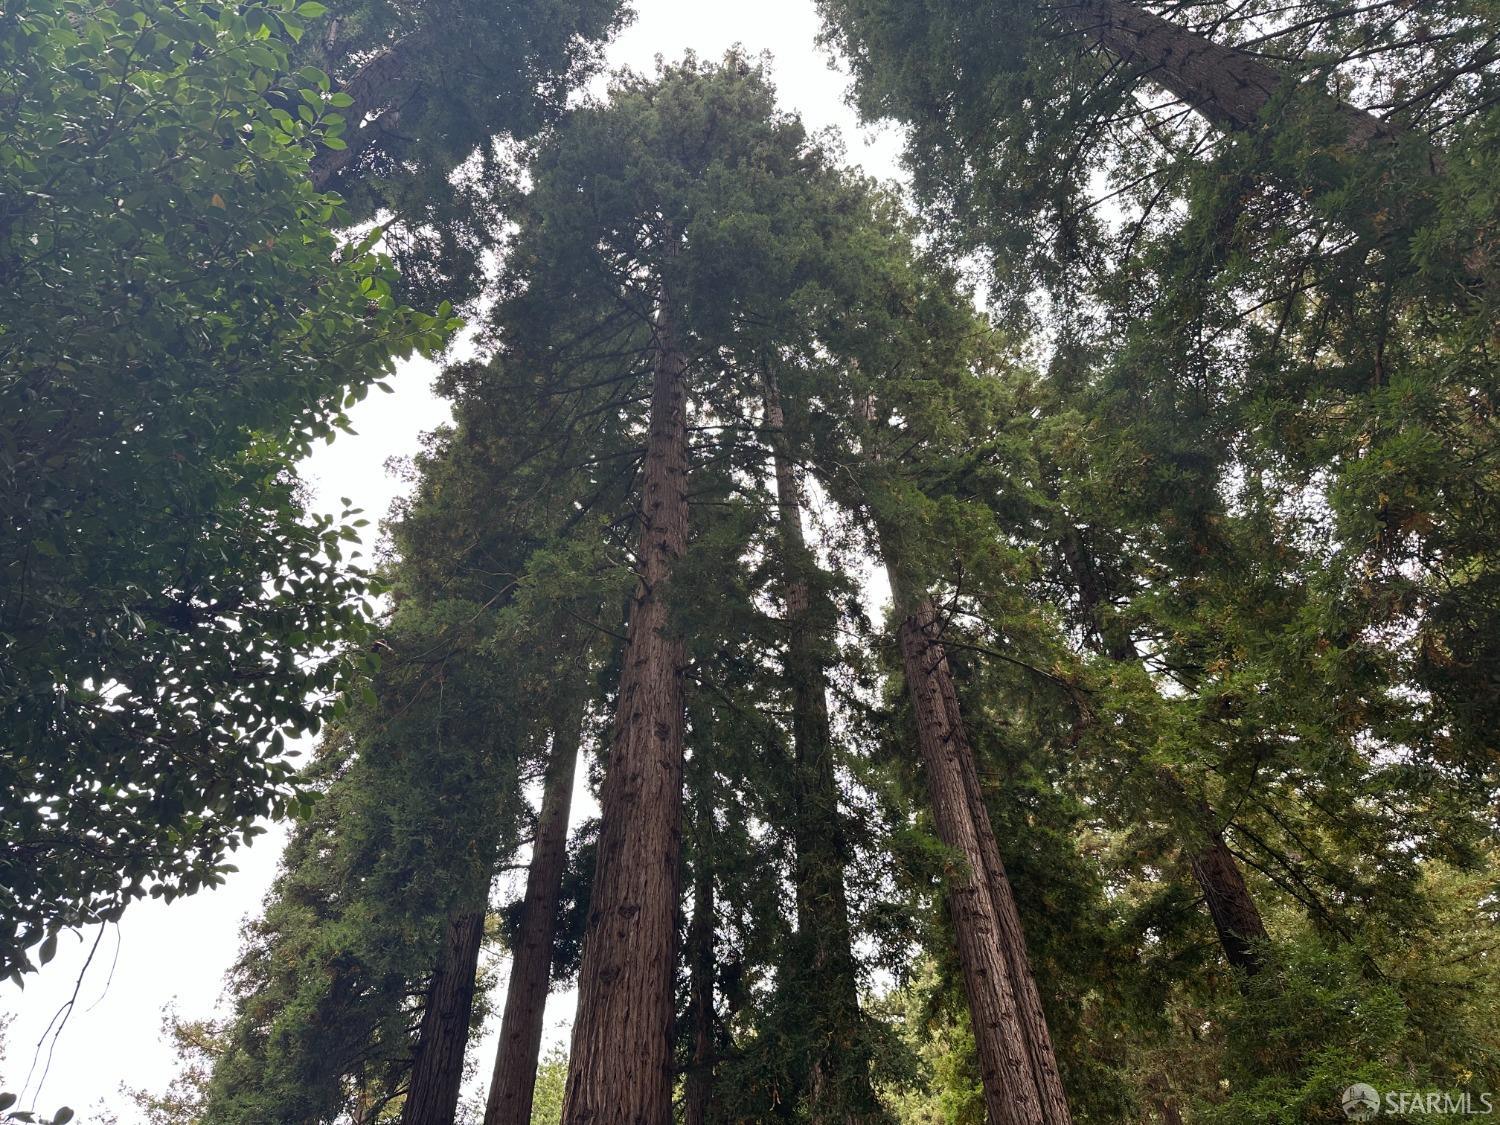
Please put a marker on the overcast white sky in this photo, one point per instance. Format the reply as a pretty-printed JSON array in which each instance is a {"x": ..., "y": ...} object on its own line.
[{"x": 178, "y": 954}]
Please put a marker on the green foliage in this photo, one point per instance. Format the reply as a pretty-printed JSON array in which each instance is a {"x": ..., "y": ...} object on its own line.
[
  {"x": 1420, "y": 1021},
  {"x": 422, "y": 798},
  {"x": 1015, "y": 116},
  {"x": 701, "y": 198},
  {"x": 551, "y": 1075},
  {"x": 499, "y": 568},
  {"x": 1272, "y": 315},
  {"x": 1220, "y": 572},
  {"x": 179, "y": 324},
  {"x": 430, "y": 89},
  {"x": 942, "y": 1088},
  {"x": 197, "y": 1044},
  {"x": 1259, "y": 483},
  {"x": 439, "y": 86},
  {"x": 1299, "y": 1042},
  {"x": 421, "y": 793}
]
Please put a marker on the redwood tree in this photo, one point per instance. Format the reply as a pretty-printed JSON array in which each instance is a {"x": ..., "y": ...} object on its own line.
[
  {"x": 822, "y": 963},
  {"x": 514, "y": 1079},
  {"x": 924, "y": 338},
  {"x": 674, "y": 218},
  {"x": 624, "y": 995}
]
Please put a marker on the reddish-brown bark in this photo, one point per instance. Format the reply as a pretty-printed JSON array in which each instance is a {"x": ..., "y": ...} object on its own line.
[
  {"x": 619, "y": 1072},
  {"x": 1018, "y": 1068},
  {"x": 514, "y": 1081},
  {"x": 1054, "y": 1104},
  {"x": 1005, "y": 1065},
  {"x": 1012, "y": 935},
  {"x": 1242, "y": 932}
]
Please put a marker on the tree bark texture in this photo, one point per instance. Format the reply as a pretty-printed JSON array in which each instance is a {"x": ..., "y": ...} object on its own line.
[
  {"x": 514, "y": 1080},
  {"x": 438, "y": 1071},
  {"x": 381, "y": 89},
  {"x": 923, "y": 627},
  {"x": 1012, "y": 936},
  {"x": 1228, "y": 86},
  {"x": 1018, "y": 1068},
  {"x": 1011, "y": 1089},
  {"x": 1242, "y": 932},
  {"x": 619, "y": 1072},
  {"x": 1006, "y": 1072}
]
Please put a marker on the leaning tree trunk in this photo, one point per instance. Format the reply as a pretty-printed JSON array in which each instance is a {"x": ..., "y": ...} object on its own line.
[
  {"x": 619, "y": 1072},
  {"x": 1018, "y": 1065},
  {"x": 514, "y": 1081},
  {"x": 1242, "y": 932},
  {"x": 384, "y": 89},
  {"x": 1230, "y": 87},
  {"x": 438, "y": 1071},
  {"x": 839, "y": 1087},
  {"x": 1012, "y": 935},
  {"x": 698, "y": 1083},
  {"x": 920, "y": 635},
  {"x": 1237, "y": 921},
  {"x": 1006, "y": 1069}
]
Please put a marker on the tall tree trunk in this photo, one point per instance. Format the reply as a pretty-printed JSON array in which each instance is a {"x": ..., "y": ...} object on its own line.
[
  {"x": 1006, "y": 1070},
  {"x": 1012, "y": 935},
  {"x": 699, "y": 1082},
  {"x": 839, "y": 1089},
  {"x": 437, "y": 1073},
  {"x": 514, "y": 1081},
  {"x": 619, "y": 1072},
  {"x": 922, "y": 629},
  {"x": 1230, "y": 87},
  {"x": 1242, "y": 932},
  {"x": 1018, "y": 1066}
]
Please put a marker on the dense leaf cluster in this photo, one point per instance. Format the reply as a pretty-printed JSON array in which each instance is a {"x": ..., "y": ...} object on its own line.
[{"x": 179, "y": 323}]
